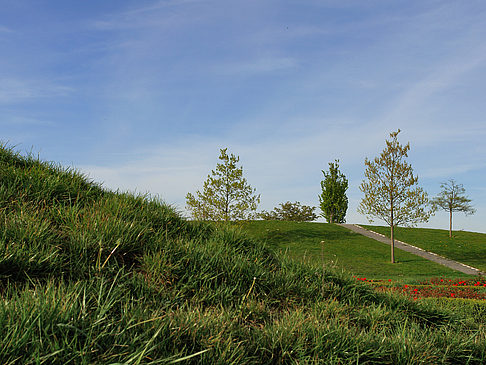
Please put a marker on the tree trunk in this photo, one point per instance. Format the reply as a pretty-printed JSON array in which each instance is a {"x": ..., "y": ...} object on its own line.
[
  {"x": 392, "y": 234},
  {"x": 450, "y": 223}
]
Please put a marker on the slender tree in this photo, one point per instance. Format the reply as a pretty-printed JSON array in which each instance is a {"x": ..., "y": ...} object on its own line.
[
  {"x": 452, "y": 199},
  {"x": 333, "y": 200},
  {"x": 391, "y": 190},
  {"x": 226, "y": 195}
]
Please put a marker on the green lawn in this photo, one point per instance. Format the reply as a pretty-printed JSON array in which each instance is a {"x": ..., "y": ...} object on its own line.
[
  {"x": 466, "y": 247},
  {"x": 332, "y": 245}
]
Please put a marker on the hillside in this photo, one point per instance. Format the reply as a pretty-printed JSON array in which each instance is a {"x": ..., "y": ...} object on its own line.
[
  {"x": 94, "y": 276},
  {"x": 322, "y": 244}
]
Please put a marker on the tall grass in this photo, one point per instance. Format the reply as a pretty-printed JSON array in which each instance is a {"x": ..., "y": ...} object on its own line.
[{"x": 92, "y": 276}]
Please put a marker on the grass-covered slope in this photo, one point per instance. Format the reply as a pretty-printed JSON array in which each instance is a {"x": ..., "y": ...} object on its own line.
[
  {"x": 92, "y": 276},
  {"x": 466, "y": 247},
  {"x": 323, "y": 244}
]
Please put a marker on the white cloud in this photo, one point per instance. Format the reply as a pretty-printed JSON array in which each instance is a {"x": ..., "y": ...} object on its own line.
[
  {"x": 14, "y": 90},
  {"x": 444, "y": 77},
  {"x": 169, "y": 171},
  {"x": 451, "y": 170},
  {"x": 279, "y": 168},
  {"x": 259, "y": 65},
  {"x": 25, "y": 121},
  {"x": 159, "y": 14},
  {"x": 4, "y": 29}
]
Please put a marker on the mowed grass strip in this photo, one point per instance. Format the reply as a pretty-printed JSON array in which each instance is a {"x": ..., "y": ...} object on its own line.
[
  {"x": 466, "y": 247},
  {"x": 322, "y": 244}
]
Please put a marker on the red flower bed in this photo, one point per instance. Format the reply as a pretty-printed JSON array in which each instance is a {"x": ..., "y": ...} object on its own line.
[{"x": 435, "y": 288}]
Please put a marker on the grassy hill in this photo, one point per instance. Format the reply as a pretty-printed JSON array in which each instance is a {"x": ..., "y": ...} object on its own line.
[
  {"x": 330, "y": 245},
  {"x": 92, "y": 276},
  {"x": 466, "y": 247}
]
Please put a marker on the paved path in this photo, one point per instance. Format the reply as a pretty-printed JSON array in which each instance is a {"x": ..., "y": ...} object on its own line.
[{"x": 466, "y": 269}]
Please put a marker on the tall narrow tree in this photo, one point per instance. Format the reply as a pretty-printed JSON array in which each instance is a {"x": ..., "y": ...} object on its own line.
[
  {"x": 452, "y": 199},
  {"x": 391, "y": 190},
  {"x": 333, "y": 200},
  {"x": 226, "y": 194}
]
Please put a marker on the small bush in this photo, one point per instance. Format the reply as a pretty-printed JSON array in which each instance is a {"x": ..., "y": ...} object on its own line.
[{"x": 290, "y": 212}]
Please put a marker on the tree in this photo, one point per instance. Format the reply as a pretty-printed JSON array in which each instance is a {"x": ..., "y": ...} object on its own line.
[
  {"x": 290, "y": 212},
  {"x": 391, "y": 190},
  {"x": 226, "y": 195},
  {"x": 333, "y": 199},
  {"x": 452, "y": 199}
]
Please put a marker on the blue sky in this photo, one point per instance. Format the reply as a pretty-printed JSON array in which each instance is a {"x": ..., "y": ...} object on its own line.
[{"x": 141, "y": 95}]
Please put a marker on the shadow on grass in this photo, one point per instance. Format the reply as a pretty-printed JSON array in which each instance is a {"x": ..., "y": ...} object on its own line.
[{"x": 398, "y": 261}]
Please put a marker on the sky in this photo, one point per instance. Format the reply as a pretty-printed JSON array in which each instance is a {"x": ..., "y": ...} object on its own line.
[{"x": 141, "y": 95}]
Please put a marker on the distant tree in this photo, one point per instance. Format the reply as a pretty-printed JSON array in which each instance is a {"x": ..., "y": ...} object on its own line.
[
  {"x": 268, "y": 216},
  {"x": 333, "y": 199},
  {"x": 226, "y": 195},
  {"x": 290, "y": 212},
  {"x": 391, "y": 190},
  {"x": 452, "y": 199}
]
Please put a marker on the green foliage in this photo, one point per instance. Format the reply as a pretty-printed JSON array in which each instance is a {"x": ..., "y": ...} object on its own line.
[
  {"x": 452, "y": 199},
  {"x": 391, "y": 190},
  {"x": 89, "y": 276},
  {"x": 290, "y": 212},
  {"x": 226, "y": 195},
  {"x": 333, "y": 199}
]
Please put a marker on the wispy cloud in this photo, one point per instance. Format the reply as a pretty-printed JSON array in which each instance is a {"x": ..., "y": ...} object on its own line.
[
  {"x": 158, "y": 14},
  {"x": 436, "y": 50},
  {"x": 14, "y": 90},
  {"x": 449, "y": 170},
  {"x": 4, "y": 29},
  {"x": 175, "y": 169},
  {"x": 444, "y": 77},
  {"x": 288, "y": 86},
  {"x": 169, "y": 172},
  {"x": 21, "y": 121},
  {"x": 260, "y": 65}
]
